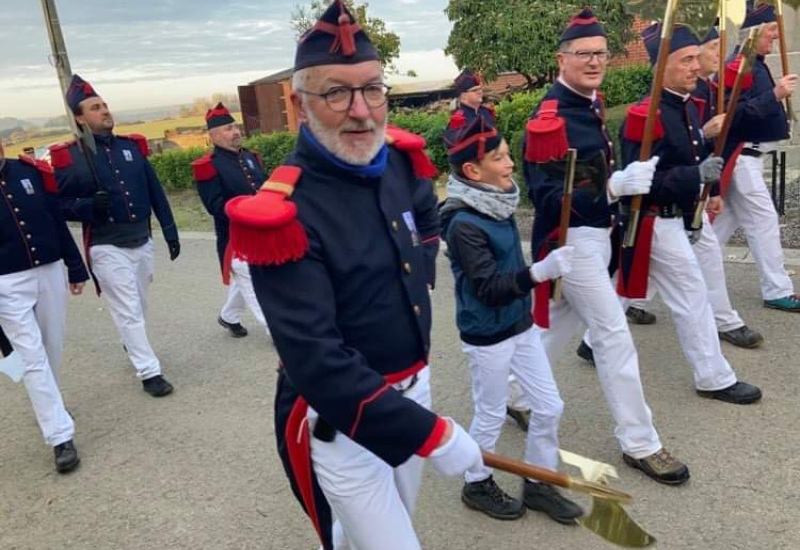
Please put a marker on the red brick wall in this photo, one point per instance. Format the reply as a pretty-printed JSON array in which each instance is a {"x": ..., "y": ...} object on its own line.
[{"x": 637, "y": 54}]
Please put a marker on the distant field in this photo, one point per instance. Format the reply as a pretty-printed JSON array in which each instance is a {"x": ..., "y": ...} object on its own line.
[{"x": 154, "y": 129}]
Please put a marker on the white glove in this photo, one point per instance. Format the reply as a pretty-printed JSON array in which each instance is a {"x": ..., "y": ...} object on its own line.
[
  {"x": 554, "y": 265},
  {"x": 636, "y": 179},
  {"x": 458, "y": 455}
]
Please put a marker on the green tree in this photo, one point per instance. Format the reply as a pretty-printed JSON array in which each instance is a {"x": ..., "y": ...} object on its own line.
[
  {"x": 386, "y": 42},
  {"x": 494, "y": 36}
]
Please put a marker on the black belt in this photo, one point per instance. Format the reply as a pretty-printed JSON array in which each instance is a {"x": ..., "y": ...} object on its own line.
[
  {"x": 671, "y": 211},
  {"x": 750, "y": 152},
  {"x": 324, "y": 431}
]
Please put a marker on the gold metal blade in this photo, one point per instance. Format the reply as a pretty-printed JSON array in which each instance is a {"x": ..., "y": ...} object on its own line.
[{"x": 610, "y": 521}]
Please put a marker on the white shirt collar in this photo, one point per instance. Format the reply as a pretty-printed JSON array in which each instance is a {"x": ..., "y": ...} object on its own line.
[
  {"x": 684, "y": 97},
  {"x": 593, "y": 97}
]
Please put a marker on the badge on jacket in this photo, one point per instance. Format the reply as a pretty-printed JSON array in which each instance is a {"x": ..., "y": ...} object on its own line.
[
  {"x": 26, "y": 183},
  {"x": 408, "y": 217},
  {"x": 128, "y": 155}
]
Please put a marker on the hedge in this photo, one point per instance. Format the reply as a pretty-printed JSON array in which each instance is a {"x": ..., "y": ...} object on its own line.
[{"x": 622, "y": 86}]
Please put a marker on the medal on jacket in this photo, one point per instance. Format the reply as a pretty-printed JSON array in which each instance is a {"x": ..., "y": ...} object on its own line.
[{"x": 408, "y": 217}]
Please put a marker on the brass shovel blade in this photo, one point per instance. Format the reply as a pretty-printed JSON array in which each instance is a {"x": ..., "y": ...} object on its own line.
[{"x": 610, "y": 521}]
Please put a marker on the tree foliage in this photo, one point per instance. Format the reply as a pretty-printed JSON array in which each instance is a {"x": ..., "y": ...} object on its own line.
[
  {"x": 386, "y": 42},
  {"x": 494, "y": 36}
]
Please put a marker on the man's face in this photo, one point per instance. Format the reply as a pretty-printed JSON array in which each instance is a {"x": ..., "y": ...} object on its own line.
[
  {"x": 226, "y": 137},
  {"x": 95, "y": 114},
  {"x": 472, "y": 97},
  {"x": 683, "y": 68},
  {"x": 356, "y": 134},
  {"x": 579, "y": 68},
  {"x": 496, "y": 168},
  {"x": 769, "y": 34},
  {"x": 709, "y": 57}
]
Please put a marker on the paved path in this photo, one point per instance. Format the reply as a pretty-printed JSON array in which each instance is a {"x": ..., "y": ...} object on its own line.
[{"x": 198, "y": 470}]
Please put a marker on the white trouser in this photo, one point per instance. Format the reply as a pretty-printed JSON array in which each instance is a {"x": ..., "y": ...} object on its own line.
[
  {"x": 240, "y": 295},
  {"x": 372, "y": 502},
  {"x": 749, "y": 206},
  {"x": 490, "y": 366},
  {"x": 678, "y": 277},
  {"x": 709, "y": 255},
  {"x": 591, "y": 301},
  {"x": 33, "y": 314},
  {"x": 124, "y": 275}
]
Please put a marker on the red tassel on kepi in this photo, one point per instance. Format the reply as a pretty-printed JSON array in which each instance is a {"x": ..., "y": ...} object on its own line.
[
  {"x": 636, "y": 120},
  {"x": 732, "y": 70},
  {"x": 336, "y": 39},
  {"x": 264, "y": 229},
  {"x": 546, "y": 135},
  {"x": 414, "y": 146}
]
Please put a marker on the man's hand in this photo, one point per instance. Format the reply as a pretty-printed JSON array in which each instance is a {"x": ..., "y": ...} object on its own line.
[
  {"x": 785, "y": 86},
  {"x": 555, "y": 264},
  {"x": 76, "y": 289},
  {"x": 174, "y": 249},
  {"x": 715, "y": 206},
  {"x": 713, "y": 127},
  {"x": 711, "y": 169},
  {"x": 636, "y": 179},
  {"x": 101, "y": 204},
  {"x": 457, "y": 452}
]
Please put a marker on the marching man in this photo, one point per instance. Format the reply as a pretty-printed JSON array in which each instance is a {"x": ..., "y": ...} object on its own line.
[
  {"x": 229, "y": 171},
  {"x": 341, "y": 243},
  {"x": 114, "y": 197},
  {"x": 470, "y": 97},
  {"x": 760, "y": 124},
  {"x": 34, "y": 248}
]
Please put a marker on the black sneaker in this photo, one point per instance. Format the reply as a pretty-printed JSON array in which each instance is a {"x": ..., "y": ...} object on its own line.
[
  {"x": 638, "y": 316},
  {"x": 157, "y": 386},
  {"x": 543, "y": 497},
  {"x": 236, "y": 329},
  {"x": 585, "y": 353},
  {"x": 67, "y": 458},
  {"x": 485, "y": 496},
  {"x": 520, "y": 417},
  {"x": 742, "y": 337}
]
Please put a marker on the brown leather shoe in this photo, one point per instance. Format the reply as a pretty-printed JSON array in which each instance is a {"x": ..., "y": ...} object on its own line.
[
  {"x": 637, "y": 316},
  {"x": 660, "y": 466}
]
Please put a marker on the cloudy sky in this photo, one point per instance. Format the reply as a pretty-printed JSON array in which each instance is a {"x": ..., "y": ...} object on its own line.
[{"x": 148, "y": 53}]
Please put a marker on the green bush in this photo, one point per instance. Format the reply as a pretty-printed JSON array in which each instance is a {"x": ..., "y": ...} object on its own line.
[
  {"x": 273, "y": 148},
  {"x": 431, "y": 127},
  {"x": 624, "y": 85},
  {"x": 174, "y": 168},
  {"x": 513, "y": 112}
]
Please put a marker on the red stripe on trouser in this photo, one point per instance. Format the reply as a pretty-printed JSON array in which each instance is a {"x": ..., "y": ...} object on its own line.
[
  {"x": 634, "y": 283},
  {"x": 299, "y": 448},
  {"x": 227, "y": 260}
]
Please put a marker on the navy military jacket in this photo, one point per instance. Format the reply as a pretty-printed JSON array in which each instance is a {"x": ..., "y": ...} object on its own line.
[
  {"x": 356, "y": 307},
  {"x": 760, "y": 117},
  {"x": 586, "y": 132},
  {"x": 680, "y": 150},
  {"x": 124, "y": 172},
  {"x": 471, "y": 114},
  {"x": 706, "y": 92},
  {"x": 222, "y": 175},
  {"x": 33, "y": 232}
]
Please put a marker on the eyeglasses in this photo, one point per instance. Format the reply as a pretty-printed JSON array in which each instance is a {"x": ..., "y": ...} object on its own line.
[
  {"x": 587, "y": 56},
  {"x": 340, "y": 98}
]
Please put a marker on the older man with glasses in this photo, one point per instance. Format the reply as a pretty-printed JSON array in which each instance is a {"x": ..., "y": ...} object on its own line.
[{"x": 341, "y": 243}]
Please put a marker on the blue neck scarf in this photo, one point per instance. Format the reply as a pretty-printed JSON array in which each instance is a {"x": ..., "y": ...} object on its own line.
[{"x": 374, "y": 169}]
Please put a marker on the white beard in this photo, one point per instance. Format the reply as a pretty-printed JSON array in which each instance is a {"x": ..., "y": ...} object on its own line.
[{"x": 358, "y": 155}]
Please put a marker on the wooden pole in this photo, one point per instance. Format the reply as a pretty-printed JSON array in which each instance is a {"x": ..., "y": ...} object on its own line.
[
  {"x": 566, "y": 211},
  {"x": 652, "y": 114},
  {"x": 60, "y": 59},
  {"x": 723, "y": 39},
  {"x": 784, "y": 56}
]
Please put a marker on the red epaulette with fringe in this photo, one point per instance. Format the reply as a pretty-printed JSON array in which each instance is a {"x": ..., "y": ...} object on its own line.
[
  {"x": 636, "y": 120},
  {"x": 413, "y": 146},
  {"x": 60, "y": 157},
  {"x": 203, "y": 168},
  {"x": 264, "y": 229},
  {"x": 732, "y": 70},
  {"x": 141, "y": 143},
  {"x": 546, "y": 134},
  {"x": 45, "y": 170}
]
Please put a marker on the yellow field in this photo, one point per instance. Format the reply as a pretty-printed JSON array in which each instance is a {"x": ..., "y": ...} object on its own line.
[{"x": 152, "y": 130}]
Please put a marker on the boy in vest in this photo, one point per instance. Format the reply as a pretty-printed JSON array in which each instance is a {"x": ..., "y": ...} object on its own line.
[{"x": 493, "y": 297}]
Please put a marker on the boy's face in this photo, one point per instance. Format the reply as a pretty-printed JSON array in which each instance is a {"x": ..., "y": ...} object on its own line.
[{"x": 496, "y": 168}]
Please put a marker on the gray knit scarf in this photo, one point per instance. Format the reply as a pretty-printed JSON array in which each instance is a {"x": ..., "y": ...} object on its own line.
[{"x": 486, "y": 199}]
